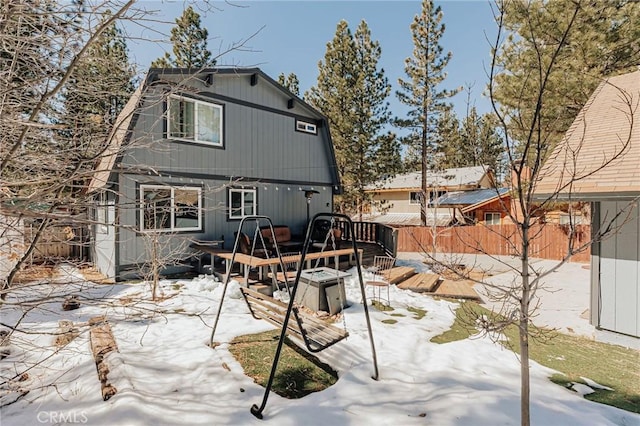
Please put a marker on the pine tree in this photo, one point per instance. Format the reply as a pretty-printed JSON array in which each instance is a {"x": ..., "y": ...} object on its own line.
[
  {"x": 603, "y": 42},
  {"x": 488, "y": 143},
  {"x": 473, "y": 142},
  {"x": 451, "y": 150},
  {"x": 189, "y": 41},
  {"x": 425, "y": 70},
  {"x": 388, "y": 157},
  {"x": 291, "y": 82},
  {"x": 351, "y": 91}
]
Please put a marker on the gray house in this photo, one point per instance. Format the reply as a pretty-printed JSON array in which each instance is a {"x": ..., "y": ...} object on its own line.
[
  {"x": 192, "y": 153},
  {"x": 598, "y": 161}
]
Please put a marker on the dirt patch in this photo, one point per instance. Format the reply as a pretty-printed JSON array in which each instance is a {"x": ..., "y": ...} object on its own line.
[
  {"x": 36, "y": 273},
  {"x": 66, "y": 333},
  {"x": 90, "y": 273}
]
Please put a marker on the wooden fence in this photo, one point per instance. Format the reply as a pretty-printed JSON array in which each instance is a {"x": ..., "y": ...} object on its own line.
[
  {"x": 548, "y": 241},
  {"x": 58, "y": 242},
  {"x": 11, "y": 244}
]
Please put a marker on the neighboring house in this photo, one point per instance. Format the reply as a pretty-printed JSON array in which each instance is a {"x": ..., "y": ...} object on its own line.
[
  {"x": 602, "y": 148},
  {"x": 397, "y": 200},
  {"x": 488, "y": 206},
  {"x": 192, "y": 153}
]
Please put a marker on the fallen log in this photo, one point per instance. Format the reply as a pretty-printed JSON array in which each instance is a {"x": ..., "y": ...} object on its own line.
[{"x": 102, "y": 343}]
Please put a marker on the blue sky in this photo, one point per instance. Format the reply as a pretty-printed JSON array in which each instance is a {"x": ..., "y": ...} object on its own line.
[{"x": 291, "y": 36}]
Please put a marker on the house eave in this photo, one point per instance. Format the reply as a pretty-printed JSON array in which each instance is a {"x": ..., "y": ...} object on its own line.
[{"x": 588, "y": 196}]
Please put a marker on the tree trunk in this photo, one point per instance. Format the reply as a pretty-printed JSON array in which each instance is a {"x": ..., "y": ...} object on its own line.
[
  {"x": 425, "y": 192},
  {"x": 155, "y": 266},
  {"x": 523, "y": 327}
]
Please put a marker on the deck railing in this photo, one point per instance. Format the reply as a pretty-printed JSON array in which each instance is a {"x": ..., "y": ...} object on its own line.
[{"x": 371, "y": 232}]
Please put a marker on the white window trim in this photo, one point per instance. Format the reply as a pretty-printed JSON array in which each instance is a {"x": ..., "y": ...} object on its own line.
[
  {"x": 242, "y": 191},
  {"x": 492, "y": 215},
  {"x": 411, "y": 200},
  {"x": 102, "y": 214},
  {"x": 173, "y": 210},
  {"x": 306, "y": 127},
  {"x": 197, "y": 103}
]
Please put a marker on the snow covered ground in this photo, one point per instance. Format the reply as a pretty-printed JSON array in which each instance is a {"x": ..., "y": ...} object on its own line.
[{"x": 167, "y": 375}]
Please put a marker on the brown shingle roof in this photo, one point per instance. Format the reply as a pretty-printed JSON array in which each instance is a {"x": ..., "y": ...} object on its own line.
[{"x": 600, "y": 153}]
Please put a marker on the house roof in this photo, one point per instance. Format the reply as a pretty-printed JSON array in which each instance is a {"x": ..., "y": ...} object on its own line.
[
  {"x": 600, "y": 153},
  {"x": 442, "y": 217},
  {"x": 454, "y": 177},
  {"x": 469, "y": 198},
  {"x": 117, "y": 137},
  {"x": 127, "y": 117}
]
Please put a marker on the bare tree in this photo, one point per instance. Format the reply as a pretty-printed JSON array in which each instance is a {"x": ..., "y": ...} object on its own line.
[
  {"x": 527, "y": 154},
  {"x": 48, "y": 155}
]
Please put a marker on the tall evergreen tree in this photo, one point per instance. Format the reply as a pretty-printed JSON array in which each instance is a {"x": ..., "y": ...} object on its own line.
[
  {"x": 352, "y": 92},
  {"x": 388, "y": 156},
  {"x": 425, "y": 70},
  {"x": 473, "y": 142},
  {"x": 451, "y": 150},
  {"x": 605, "y": 41},
  {"x": 482, "y": 135},
  {"x": 291, "y": 82},
  {"x": 189, "y": 41}
]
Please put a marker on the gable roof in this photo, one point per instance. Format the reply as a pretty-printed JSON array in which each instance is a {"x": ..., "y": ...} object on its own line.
[
  {"x": 599, "y": 155},
  {"x": 454, "y": 177},
  {"x": 116, "y": 139},
  {"x": 126, "y": 119},
  {"x": 441, "y": 217},
  {"x": 470, "y": 198}
]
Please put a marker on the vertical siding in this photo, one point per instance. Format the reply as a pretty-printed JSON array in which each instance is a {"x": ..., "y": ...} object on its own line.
[
  {"x": 620, "y": 271},
  {"x": 285, "y": 204},
  {"x": 257, "y": 143},
  {"x": 261, "y": 150}
]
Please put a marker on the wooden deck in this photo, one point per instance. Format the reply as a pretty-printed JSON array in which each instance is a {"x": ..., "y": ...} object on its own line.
[{"x": 404, "y": 277}]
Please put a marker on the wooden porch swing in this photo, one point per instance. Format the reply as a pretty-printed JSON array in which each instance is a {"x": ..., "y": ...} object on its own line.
[{"x": 316, "y": 334}]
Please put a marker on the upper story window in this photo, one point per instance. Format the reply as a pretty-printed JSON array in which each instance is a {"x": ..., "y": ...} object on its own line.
[
  {"x": 304, "y": 126},
  {"x": 242, "y": 202},
  {"x": 165, "y": 208},
  {"x": 492, "y": 218},
  {"x": 195, "y": 121},
  {"x": 415, "y": 197}
]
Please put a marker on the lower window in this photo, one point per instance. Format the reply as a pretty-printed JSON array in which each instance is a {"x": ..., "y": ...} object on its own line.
[
  {"x": 165, "y": 208},
  {"x": 242, "y": 202},
  {"x": 492, "y": 218}
]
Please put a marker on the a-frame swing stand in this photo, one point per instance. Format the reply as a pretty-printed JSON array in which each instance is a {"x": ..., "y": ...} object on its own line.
[{"x": 316, "y": 334}]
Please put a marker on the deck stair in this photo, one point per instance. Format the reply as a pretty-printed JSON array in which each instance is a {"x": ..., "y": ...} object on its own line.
[
  {"x": 461, "y": 289},
  {"x": 422, "y": 282},
  {"x": 432, "y": 284},
  {"x": 400, "y": 273}
]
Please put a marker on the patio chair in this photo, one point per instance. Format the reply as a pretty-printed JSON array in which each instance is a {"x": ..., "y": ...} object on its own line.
[
  {"x": 245, "y": 246},
  {"x": 381, "y": 269}
]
